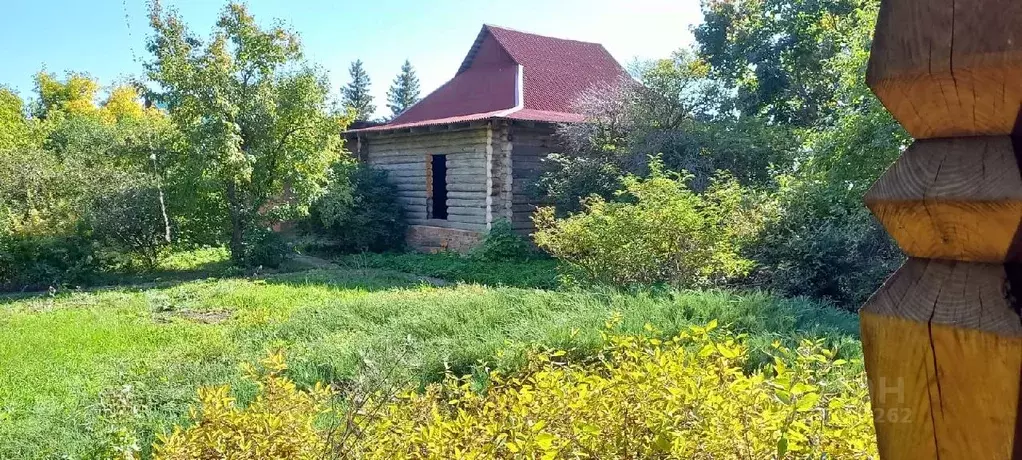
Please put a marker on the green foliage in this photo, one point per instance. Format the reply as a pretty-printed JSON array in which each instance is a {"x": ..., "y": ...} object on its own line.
[
  {"x": 263, "y": 247},
  {"x": 131, "y": 221},
  {"x": 674, "y": 112},
  {"x": 166, "y": 341},
  {"x": 658, "y": 231},
  {"x": 687, "y": 397},
  {"x": 501, "y": 243},
  {"x": 776, "y": 54},
  {"x": 260, "y": 137},
  {"x": 15, "y": 128},
  {"x": 355, "y": 96},
  {"x": 359, "y": 211},
  {"x": 34, "y": 261},
  {"x": 818, "y": 239},
  {"x": 404, "y": 92}
]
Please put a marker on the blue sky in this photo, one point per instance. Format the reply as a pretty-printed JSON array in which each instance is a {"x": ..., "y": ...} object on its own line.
[{"x": 106, "y": 37}]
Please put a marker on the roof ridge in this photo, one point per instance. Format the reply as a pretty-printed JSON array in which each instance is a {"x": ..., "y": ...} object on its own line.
[{"x": 509, "y": 29}]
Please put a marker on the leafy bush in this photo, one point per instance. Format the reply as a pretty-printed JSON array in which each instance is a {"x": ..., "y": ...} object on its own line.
[
  {"x": 38, "y": 261},
  {"x": 359, "y": 211},
  {"x": 280, "y": 423},
  {"x": 501, "y": 243},
  {"x": 658, "y": 231},
  {"x": 641, "y": 397},
  {"x": 825, "y": 251},
  {"x": 264, "y": 247},
  {"x": 131, "y": 221},
  {"x": 687, "y": 397}
]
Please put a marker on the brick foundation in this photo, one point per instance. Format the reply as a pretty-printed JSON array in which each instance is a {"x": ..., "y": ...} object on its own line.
[{"x": 424, "y": 238}]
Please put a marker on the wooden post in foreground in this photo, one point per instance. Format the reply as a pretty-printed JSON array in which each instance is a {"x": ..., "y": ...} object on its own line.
[{"x": 942, "y": 338}]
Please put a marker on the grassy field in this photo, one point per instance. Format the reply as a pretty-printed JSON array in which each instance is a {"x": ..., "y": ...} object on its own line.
[
  {"x": 535, "y": 273},
  {"x": 79, "y": 370}
]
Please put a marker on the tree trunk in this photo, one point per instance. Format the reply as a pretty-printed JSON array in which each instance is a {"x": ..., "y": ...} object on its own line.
[{"x": 237, "y": 245}]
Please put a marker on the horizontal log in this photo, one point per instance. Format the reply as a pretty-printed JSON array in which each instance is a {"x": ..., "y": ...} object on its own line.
[
  {"x": 412, "y": 193},
  {"x": 431, "y": 143},
  {"x": 939, "y": 338},
  {"x": 467, "y": 195},
  {"x": 409, "y": 186},
  {"x": 475, "y": 172},
  {"x": 426, "y": 151},
  {"x": 408, "y": 176},
  {"x": 468, "y": 219},
  {"x": 957, "y": 199},
  {"x": 413, "y": 166},
  {"x": 466, "y": 187},
  {"x": 420, "y": 137},
  {"x": 463, "y": 211},
  {"x": 422, "y": 155},
  {"x": 381, "y": 162},
  {"x": 411, "y": 201},
  {"x": 476, "y": 227},
  {"x": 479, "y": 203}
]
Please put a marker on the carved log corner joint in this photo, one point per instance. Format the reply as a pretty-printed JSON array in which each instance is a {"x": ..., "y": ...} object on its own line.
[{"x": 943, "y": 338}]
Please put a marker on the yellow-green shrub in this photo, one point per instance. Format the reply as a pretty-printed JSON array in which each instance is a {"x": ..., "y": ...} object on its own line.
[
  {"x": 645, "y": 398},
  {"x": 687, "y": 397},
  {"x": 657, "y": 231},
  {"x": 280, "y": 423}
]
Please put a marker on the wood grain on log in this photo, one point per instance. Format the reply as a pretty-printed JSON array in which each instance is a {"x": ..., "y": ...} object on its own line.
[
  {"x": 943, "y": 348},
  {"x": 948, "y": 68},
  {"x": 958, "y": 198}
]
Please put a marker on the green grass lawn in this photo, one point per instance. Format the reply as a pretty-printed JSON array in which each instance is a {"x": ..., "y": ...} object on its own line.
[
  {"x": 539, "y": 272},
  {"x": 77, "y": 367}
]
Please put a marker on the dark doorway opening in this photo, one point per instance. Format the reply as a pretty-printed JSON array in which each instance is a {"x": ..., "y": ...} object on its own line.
[{"x": 439, "y": 205}]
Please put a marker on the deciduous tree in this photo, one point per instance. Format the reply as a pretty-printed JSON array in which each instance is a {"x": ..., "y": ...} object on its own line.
[{"x": 255, "y": 114}]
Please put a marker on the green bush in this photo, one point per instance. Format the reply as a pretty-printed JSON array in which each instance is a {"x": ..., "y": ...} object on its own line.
[
  {"x": 39, "y": 261},
  {"x": 819, "y": 245},
  {"x": 265, "y": 248},
  {"x": 359, "y": 211},
  {"x": 131, "y": 221},
  {"x": 658, "y": 231},
  {"x": 501, "y": 243}
]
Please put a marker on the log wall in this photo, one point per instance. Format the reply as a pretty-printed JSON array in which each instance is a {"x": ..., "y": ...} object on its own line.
[
  {"x": 492, "y": 170},
  {"x": 531, "y": 144},
  {"x": 405, "y": 156},
  {"x": 942, "y": 338}
]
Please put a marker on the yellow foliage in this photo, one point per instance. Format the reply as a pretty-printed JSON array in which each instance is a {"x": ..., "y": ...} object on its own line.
[
  {"x": 279, "y": 424},
  {"x": 646, "y": 398},
  {"x": 685, "y": 398},
  {"x": 123, "y": 104},
  {"x": 74, "y": 96}
]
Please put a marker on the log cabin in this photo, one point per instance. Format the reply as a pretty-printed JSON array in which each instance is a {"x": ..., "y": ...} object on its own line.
[{"x": 469, "y": 154}]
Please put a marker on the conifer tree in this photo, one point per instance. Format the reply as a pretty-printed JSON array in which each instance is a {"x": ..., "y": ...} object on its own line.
[
  {"x": 404, "y": 91},
  {"x": 356, "y": 94}
]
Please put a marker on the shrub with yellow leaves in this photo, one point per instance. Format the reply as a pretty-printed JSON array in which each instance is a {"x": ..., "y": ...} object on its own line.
[
  {"x": 280, "y": 423},
  {"x": 642, "y": 397},
  {"x": 687, "y": 397}
]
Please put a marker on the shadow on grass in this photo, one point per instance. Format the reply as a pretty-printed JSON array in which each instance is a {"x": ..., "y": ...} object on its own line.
[{"x": 291, "y": 274}]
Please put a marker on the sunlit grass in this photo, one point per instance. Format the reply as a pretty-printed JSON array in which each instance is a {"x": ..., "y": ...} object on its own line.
[{"x": 58, "y": 355}]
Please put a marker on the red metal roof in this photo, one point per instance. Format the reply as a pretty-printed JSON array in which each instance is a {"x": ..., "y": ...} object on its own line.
[
  {"x": 514, "y": 75},
  {"x": 557, "y": 71}
]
